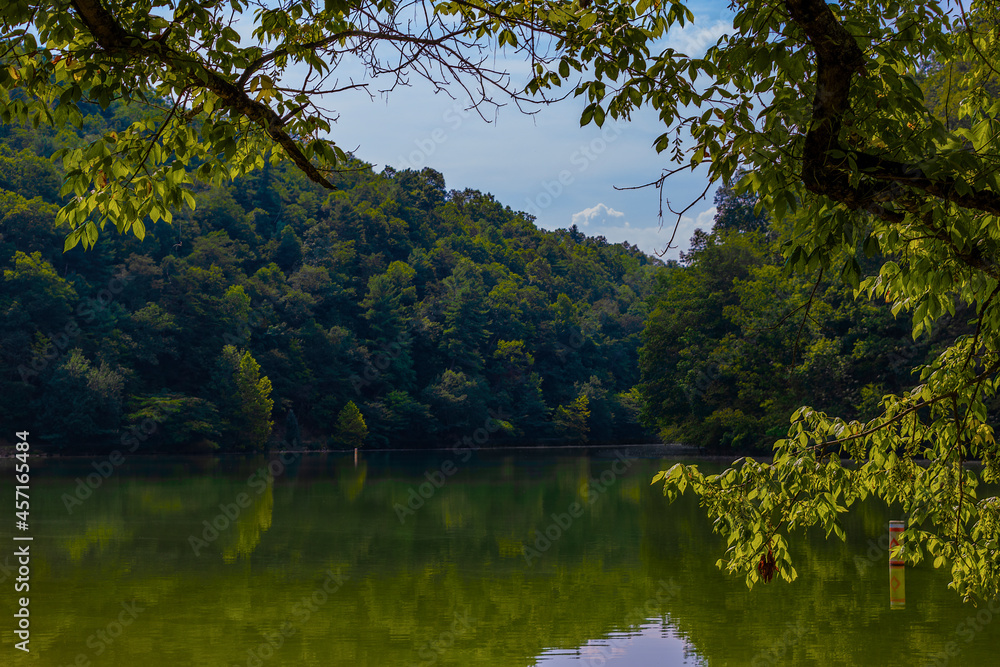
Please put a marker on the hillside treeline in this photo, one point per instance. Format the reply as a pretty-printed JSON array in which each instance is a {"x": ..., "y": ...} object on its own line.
[{"x": 276, "y": 308}]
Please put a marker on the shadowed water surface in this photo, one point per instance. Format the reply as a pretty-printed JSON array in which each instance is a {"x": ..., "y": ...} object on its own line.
[{"x": 404, "y": 559}]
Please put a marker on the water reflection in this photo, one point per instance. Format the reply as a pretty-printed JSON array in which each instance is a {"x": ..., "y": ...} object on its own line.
[
  {"x": 319, "y": 567},
  {"x": 653, "y": 643}
]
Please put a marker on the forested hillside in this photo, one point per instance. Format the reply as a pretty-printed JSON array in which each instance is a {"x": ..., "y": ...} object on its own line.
[{"x": 275, "y": 308}]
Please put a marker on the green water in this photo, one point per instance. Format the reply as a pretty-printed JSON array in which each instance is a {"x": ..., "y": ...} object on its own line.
[{"x": 322, "y": 566}]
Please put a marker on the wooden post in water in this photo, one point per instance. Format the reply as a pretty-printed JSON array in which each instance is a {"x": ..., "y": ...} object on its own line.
[{"x": 897, "y": 568}]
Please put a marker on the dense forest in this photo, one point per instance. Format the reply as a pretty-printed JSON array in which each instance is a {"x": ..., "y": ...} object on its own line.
[
  {"x": 735, "y": 343},
  {"x": 392, "y": 312}
]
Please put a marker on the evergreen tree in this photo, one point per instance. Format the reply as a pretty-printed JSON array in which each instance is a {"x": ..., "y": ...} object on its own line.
[
  {"x": 245, "y": 398},
  {"x": 738, "y": 210},
  {"x": 351, "y": 429}
]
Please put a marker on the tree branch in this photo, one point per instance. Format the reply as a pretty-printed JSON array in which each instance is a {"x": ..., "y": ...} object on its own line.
[
  {"x": 838, "y": 60},
  {"x": 114, "y": 39}
]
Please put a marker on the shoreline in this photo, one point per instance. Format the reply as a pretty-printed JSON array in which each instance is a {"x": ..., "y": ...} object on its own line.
[
  {"x": 640, "y": 450},
  {"x": 647, "y": 449}
]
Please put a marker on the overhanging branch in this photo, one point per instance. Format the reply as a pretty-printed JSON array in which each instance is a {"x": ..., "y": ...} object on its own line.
[
  {"x": 114, "y": 39},
  {"x": 838, "y": 60}
]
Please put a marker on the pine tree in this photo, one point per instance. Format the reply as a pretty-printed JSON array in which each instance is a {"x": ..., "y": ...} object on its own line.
[{"x": 351, "y": 429}]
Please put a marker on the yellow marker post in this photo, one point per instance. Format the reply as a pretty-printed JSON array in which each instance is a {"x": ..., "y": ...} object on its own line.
[{"x": 897, "y": 568}]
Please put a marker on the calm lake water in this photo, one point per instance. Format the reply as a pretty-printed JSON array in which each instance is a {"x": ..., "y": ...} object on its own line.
[{"x": 332, "y": 563}]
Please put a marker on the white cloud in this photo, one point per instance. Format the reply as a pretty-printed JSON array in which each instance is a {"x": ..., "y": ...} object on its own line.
[
  {"x": 598, "y": 212},
  {"x": 651, "y": 239},
  {"x": 685, "y": 230},
  {"x": 693, "y": 39},
  {"x": 707, "y": 217}
]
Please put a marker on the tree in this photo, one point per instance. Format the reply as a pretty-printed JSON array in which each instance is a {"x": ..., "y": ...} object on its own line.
[
  {"x": 458, "y": 401},
  {"x": 845, "y": 151},
  {"x": 37, "y": 291},
  {"x": 244, "y": 398},
  {"x": 738, "y": 210},
  {"x": 289, "y": 253},
  {"x": 599, "y": 410},
  {"x": 351, "y": 430},
  {"x": 293, "y": 434},
  {"x": 465, "y": 316},
  {"x": 207, "y": 103},
  {"x": 390, "y": 296},
  {"x": 82, "y": 402},
  {"x": 571, "y": 420},
  {"x": 734, "y": 344}
]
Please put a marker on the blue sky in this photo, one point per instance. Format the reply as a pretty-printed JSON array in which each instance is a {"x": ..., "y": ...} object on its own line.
[{"x": 545, "y": 164}]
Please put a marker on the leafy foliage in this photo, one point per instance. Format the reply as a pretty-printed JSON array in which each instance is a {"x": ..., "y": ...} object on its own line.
[
  {"x": 733, "y": 344},
  {"x": 201, "y": 103},
  {"x": 848, "y": 155},
  {"x": 572, "y": 418}
]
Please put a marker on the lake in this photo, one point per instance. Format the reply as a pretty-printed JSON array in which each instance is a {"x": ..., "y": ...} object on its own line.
[{"x": 486, "y": 558}]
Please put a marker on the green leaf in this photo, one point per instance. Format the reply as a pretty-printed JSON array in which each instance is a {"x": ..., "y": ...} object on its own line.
[
  {"x": 599, "y": 116},
  {"x": 72, "y": 239}
]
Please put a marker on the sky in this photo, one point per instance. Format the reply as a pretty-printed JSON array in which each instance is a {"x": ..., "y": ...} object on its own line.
[{"x": 544, "y": 164}]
